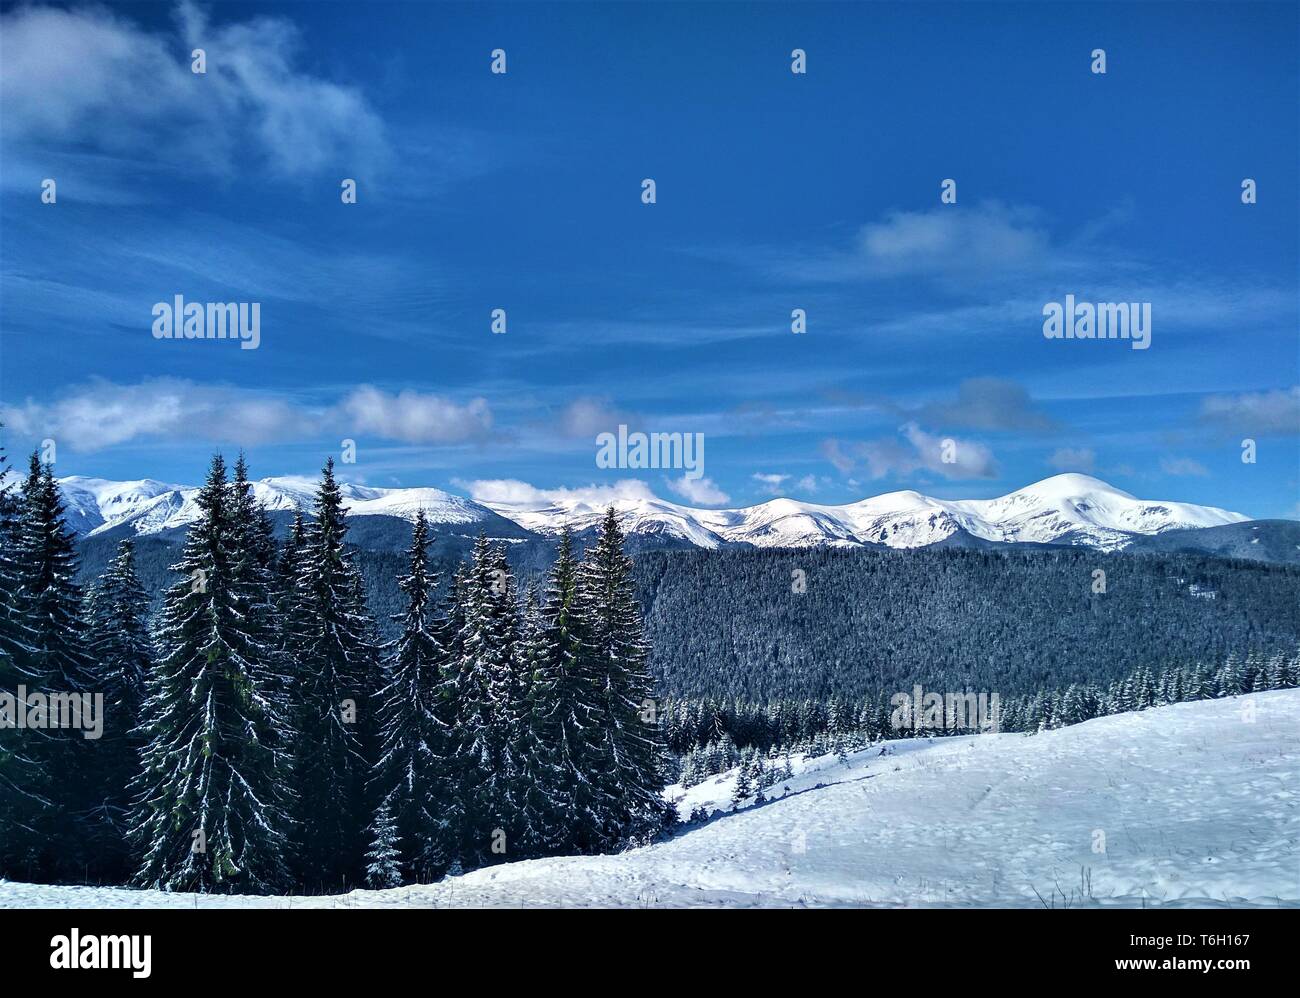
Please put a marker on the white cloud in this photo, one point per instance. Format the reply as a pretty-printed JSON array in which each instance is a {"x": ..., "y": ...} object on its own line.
[
  {"x": 834, "y": 452},
  {"x": 771, "y": 483},
  {"x": 103, "y": 414},
  {"x": 417, "y": 418},
  {"x": 1183, "y": 466},
  {"x": 774, "y": 484},
  {"x": 1078, "y": 459},
  {"x": 916, "y": 451},
  {"x": 951, "y": 237},
  {"x": 588, "y": 416},
  {"x": 98, "y": 83},
  {"x": 987, "y": 404},
  {"x": 699, "y": 491},
  {"x": 512, "y": 491},
  {"x": 1276, "y": 411}
]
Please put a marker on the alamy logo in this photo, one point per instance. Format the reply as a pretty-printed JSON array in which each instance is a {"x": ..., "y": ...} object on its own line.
[
  {"x": 77, "y": 952},
  {"x": 651, "y": 450},
  {"x": 214, "y": 320},
  {"x": 945, "y": 712},
  {"x": 1102, "y": 321},
  {"x": 38, "y": 711}
]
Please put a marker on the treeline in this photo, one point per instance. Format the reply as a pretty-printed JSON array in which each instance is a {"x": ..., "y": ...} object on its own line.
[
  {"x": 260, "y": 737},
  {"x": 742, "y": 624},
  {"x": 709, "y": 736}
]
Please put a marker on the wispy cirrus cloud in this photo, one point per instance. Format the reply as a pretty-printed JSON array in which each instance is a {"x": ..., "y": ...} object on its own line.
[{"x": 91, "y": 83}]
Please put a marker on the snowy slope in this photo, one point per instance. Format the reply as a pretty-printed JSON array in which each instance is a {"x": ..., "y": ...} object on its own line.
[
  {"x": 1199, "y": 805},
  {"x": 98, "y": 503},
  {"x": 650, "y": 517},
  {"x": 1065, "y": 509}
]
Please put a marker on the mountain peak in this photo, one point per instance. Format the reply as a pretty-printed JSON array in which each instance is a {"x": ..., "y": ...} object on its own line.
[{"x": 1071, "y": 485}]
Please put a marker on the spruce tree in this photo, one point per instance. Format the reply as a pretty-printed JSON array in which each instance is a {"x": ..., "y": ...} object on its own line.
[
  {"x": 412, "y": 777},
  {"x": 447, "y": 845},
  {"x": 57, "y": 799},
  {"x": 121, "y": 654},
  {"x": 628, "y": 749},
  {"x": 288, "y": 564},
  {"x": 20, "y": 795},
  {"x": 334, "y": 679},
  {"x": 743, "y": 788},
  {"x": 570, "y": 716},
  {"x": 212, "y": 803},
  {"x": 257, "y": 580},
  {"x": 383, "y": 858},
  {"x": 535, "y": 795},
  {"x": 486, "y": 675},
  {"x": 15, "y": 629}
]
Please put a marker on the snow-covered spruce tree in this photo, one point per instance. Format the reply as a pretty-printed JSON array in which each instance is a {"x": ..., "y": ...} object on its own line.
[
  {"x": 288, "y": 562},
  {"x": 445, "y": 847},
  {"x": 258, "y": 583},
  {"x": 258, "y": 532},
  {"x": 255, "y": 569},
  {"x": 383, "y": 858},
  {"x": 121, "y": 654},
  {"x": 487, "y": 679},
  {"x": 334, "y": 679},
  {"x": 628, "y": 758},
  {"x": 569, "y": 715},
  {"x": 15, "y": 630},
  {"x": 743, "y": 788},
  {"x": 1278, "y": 673},
  {"x": 20, "y": 796},
  {"x": 211, "y": 804},
  {"x": 56, "y": 661},
  {"x": 1229, "y": 679},
  {"x": 530, "y": 774},
  {"x": 537, "y": 807},
  {"x": 411, "y": 777}
]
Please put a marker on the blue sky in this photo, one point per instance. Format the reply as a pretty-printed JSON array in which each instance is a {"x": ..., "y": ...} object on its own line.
[{"x": 775, "y": 191}]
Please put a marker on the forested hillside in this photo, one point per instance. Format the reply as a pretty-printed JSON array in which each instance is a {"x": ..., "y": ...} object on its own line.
[{"x": 730, "y": 623}]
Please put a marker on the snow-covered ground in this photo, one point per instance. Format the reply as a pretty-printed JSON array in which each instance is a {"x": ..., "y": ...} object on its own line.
[{"x": 1194, "y": 805}]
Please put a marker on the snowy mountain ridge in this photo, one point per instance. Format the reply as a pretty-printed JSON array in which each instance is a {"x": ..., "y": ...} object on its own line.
[
  {"x": 1064, "y": 509},
  {"x": 96, "y": 505}
]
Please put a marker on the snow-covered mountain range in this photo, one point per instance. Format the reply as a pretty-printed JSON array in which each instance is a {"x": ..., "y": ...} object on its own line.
[
  {"x": 96, "y": 505},
  {"x": 1072, "y": 509},
  {"x": 1065, "y": 509}
]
